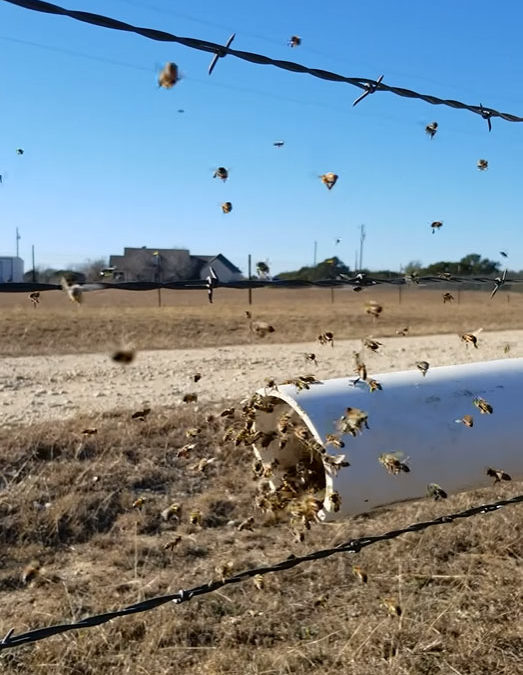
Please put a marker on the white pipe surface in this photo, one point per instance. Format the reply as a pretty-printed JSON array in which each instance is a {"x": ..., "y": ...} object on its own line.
[{"x": 416, "y": 415}]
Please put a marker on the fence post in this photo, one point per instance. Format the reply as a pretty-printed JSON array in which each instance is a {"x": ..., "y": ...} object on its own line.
[
  {"x": 249, "y": 273},
  {"x": 332, "y": 295}
]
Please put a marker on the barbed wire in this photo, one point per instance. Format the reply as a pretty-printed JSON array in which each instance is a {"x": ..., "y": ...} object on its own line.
[
  {"x": 352, "y": 546},
  {"x": 368, "y": 85},
  {"x": 358, "y": 281}
]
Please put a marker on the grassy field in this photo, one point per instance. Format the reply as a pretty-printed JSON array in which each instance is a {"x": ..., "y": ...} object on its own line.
[
  {"x": 67, "y": 504},
  {"x": 110, "y": 318}
]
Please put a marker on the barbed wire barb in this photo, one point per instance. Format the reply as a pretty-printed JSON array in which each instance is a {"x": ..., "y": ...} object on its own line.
[
  {"x": 221, "y": 53},
  {"x": 351, "y": 546},
  {"x": 260, "y": 59}
]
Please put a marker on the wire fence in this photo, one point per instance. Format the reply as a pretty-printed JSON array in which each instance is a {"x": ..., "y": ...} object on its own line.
[
  {"x": 351, "y": 546},
  {"x": 369, "y": 86}
]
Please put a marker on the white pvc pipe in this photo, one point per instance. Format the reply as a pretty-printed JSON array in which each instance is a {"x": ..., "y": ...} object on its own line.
[{"x": 417, "y": 416}]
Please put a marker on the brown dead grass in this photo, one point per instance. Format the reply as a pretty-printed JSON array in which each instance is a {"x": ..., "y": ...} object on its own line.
[
  {"x": 66, "y": 501},
  {"x": 110, "y": 318}
]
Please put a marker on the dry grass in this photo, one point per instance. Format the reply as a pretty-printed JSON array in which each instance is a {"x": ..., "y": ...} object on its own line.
[
  {"x": 110, "y": 318},
  {"x": 66, "y": 501}
]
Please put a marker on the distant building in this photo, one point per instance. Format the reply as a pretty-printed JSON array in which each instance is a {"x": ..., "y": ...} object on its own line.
[
  {"x": 11, "y": 270},
  {"x": 170, "y": 264}
]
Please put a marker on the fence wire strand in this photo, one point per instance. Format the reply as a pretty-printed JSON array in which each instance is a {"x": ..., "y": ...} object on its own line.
[
  {"x": 351, "y": 546},
  {"x": 221, "y": 51}
]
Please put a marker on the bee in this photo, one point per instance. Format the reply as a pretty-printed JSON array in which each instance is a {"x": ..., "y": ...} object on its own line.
[
  {"x": 222, "y": 173},
  {"x": 19, "y": 151},
  {"x": 392, "y": 606},
  {"x": 294, "y": 41},
  {"x": 431, "y": 129},
  {"x": 228, "y": 412},
  {"x": 403, "y": 332},
  {"x": 497, "y": 474},
  {"x": 302, "y": 433},
  {"x": 270, "y": 383},
  {"x": 469, "y": 338},
  {"x": 140, "y": 415},
  {"x": 482, "y": 405},
  {"x": 422, "y": 366},
  {"x": 226, "y": 207},
  {"x": 326, "y": 338},
  {"x": 371, "y": 344},
  {"x": 333, "y": 439},
  {"x": 35, "y": 298},
  {"x": 124, "y": 356},
  {"x": 447, "y": 297},
  {"x": 482, "y": 164},
  {"x": 89, "y": 432},
  {"x": 360, "y": 573},
  {"x": 335, "y": 501},
  {"x": 467, "y": 420},
  {"x": 359, "y": 367},
  {"x": 224, "y": 570},
  {"x": 259, "y": 582},
  {"x": 190, "y": 398},
  {"x": 138, "y": 503},
  {"x": 392, "y": 461},
  {"x": 197, "y": 377},
  {"x": 168, "y": 76},
  {"x": 195, "y": 517},
  {"x": 31, "y": 571},
  {"x": 353, "y": 421},
  {"x": 374, "y": 309},
  {"x": 279, "y": 144},
  {"x": 504, "y": 254},
  {"x": 75, "y": 291},
  {"x": 312, "y": 358},
  {"x": 436, "y": 224},
  {"x": 174, "y": 510},
  {"x": 169, "y": 546},
  {"x": 185, "y": 450},
  {"x": 246, "y": 524},
  {"x": 329, "y": 180},
  {"x": 305, "y": 509},
  {"x": 374, "y": 385},
  {"x": 193, "y": 432},
  {"x": 506, "y": 348},
  {"x": 261, "y": 328},
  {"x": 436, "y": 492}
]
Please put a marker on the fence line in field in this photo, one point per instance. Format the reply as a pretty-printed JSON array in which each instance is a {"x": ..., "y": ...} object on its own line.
[
  {"x": 352, "y": 546},
  {"x": 369, "y": 86}
]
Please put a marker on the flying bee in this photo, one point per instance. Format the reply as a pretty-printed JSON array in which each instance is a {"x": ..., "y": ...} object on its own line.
[
  {"x": 467, "y": 420},
  {"x": 359, "y": 367},
  {"x": 169, "y": 546},
  {"x": 360, "y": 573},
  {"x": 353, "y": 421},
  {"x": 224, "y": 570},
  {"x": 279, "y": 144},
  {"x": 447, "y": 297},
  {"x": 482, "y": 164},
  {"x": 436, "y": 492},
  {"x": 392, "y": 606},
  {"x": 335, "y": 463},
  {"x": 193, "y": 432},
  {"x": 138, "y": 503},
  {"x": 185, "y": 450},
  {"x": 246, "y": 524},
  {"x": 423, "y": 367},
  {"x": 374, "y": 385},
  {"x": 305, "y": 509},
  {"x": 311, "y": 357},
  {"x": 168, "y": 76},
  {"x": 195, "y": 517},
  {"x": 403, "y": 331},
  {"x": 270, "y": 383},
  {"x": 470, "y": 338},
  {"x": 302, "y": 433},
  {"x": 190, "y": 398},
  {"x": 371, "y": 344},
  {"x": 19, "y": 151},
  {"x": 124, "y": 356},
  {"x": 31, "y": 571},
  {"x": 294, "y": 41},
  {"x": 335, "y": 501},
  {"x": 506, "y": 348},
  {"x": 329, "y": 180},
  {"x": 226, "y": 207},
  {"x": 197, "y": 377},
  {"x": 261, "y": 328},
  {"x": 333, "y": 439},
  {"x": 174, "y": 510},
  {"x": 259, "y": 582},
  {"x": 326, "y": 338},
  {"x": 202, "y": 464},
  {"x": 222, "y": 173},
  {"x": 482, "y": 405},
  {"x": 35, "y": 298},
  {"x": 284, "y": 423},
  {"x": 431, "y": 129},
  {"x": 140, "y": 415},
  {"x": 497, "y": 474},
  {"x": 89, "y": 432},
  {"x": 228, "y": 412},
  {"x": 435, "y": 225},
  {"x": 392, "y": 461},
  {"x": 374, "y": 309},
  {"x": 75, "y": 291}
]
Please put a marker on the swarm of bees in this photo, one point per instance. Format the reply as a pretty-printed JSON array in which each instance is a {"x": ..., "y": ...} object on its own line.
[
  {"x": 168, "y": 77},
  {"x": 226, "y": 207},
  {"x": 482, "y": 164},
  {"x": 431, "y": 129},
  {"x": 222, "y": 173},
  {"x": 329, "y": 179},
  {"x": 394, "y": 462},
  {"x": 435, "y": 225},
  {"x": 447, "y": 297},
  {"x": 326, "y": 338}
]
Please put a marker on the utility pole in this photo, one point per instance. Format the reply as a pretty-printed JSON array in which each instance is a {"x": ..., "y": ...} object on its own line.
[
  {"x": 315, "y": 252},
  {"x": 362, "y": 239},
  {"x": 17, "y": 240}
]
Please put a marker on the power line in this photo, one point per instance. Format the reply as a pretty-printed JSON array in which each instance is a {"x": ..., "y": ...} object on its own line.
[
  {"x": 366, "y": 84},
  {"x": 352, "y": 546}
]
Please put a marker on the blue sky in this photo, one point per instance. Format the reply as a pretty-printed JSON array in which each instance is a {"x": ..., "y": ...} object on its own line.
[{"x": 109, "y": 162}]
